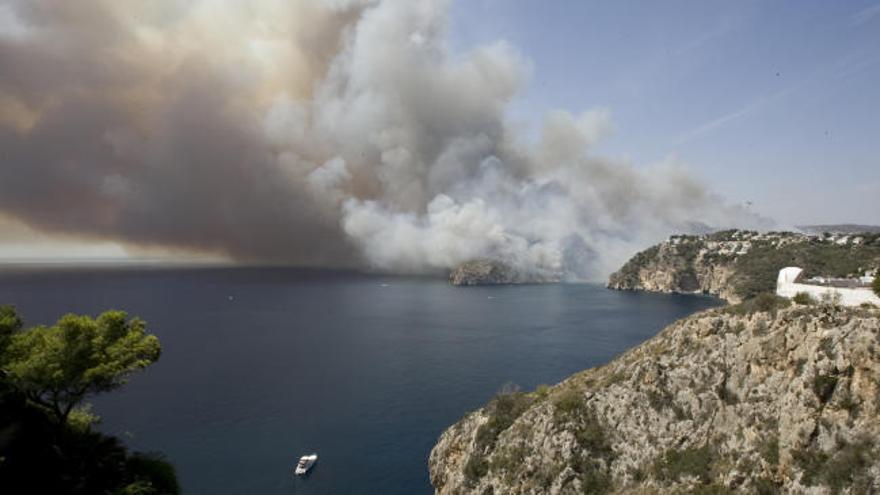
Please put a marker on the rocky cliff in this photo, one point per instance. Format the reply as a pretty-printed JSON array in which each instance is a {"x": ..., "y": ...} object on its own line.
[
  {"x": 736, "y": 265},
  {"x": 492, "y": 272},
  {"x": 747, "y": 398},
  {"x": 483, "y": 272}
]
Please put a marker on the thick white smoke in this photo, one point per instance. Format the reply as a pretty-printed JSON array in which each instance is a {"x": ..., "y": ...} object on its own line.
[{"x": 333, "y": 132}]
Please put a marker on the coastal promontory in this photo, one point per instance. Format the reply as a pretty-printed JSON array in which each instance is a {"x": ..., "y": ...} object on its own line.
[
  {"x": 737, "y": 264},
  {"x": 754, "y": 398}
]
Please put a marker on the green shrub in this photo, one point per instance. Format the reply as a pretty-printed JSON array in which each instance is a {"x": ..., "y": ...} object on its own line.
[
  {"x": 765, "y": 302},
  {"x": 849, "y": 404},
  {"x": 476, "y": 468},
  {"x": 567, "y": 403},
  {"x": 803, "y": 298},
  {"x": 504, "y": 409},
  {"x": 770, "y": 302},
  {"x": 615, "y": 378},
  {"x": 595, "y": 481},
  {"x": 841, "y": 470},
  {"x": 571, "y": 408},
  {"x": 769, "y": 450},
  {"x": 876, "y": 285},
  {"x": 590, "y": 435},
  {"x": 766, "y": 486},
  {"x": 838, "y": 470},
  {"x": 810, "y": 460},
  {"x": 542, "y": 391},
  {"x": 154, "y": 470},
  {"x": 595, "y": 453},
  {"x": 676, "y": 464},
  {"x": 662, "y": 399},
  {"x": 657, "y": 400},
  {"x": 508, "y": 459}
]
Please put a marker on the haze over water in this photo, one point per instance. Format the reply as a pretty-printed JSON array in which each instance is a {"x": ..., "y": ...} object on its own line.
[{"x": 261, "y": 365}]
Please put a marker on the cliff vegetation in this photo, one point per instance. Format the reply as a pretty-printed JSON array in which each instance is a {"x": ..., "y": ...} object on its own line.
[
  {"x": 765, "y": 397},
  {"x": 737, "y": 265}
]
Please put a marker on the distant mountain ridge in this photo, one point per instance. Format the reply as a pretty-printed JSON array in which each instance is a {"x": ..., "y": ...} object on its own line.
[{"x": 843, "y": 228}]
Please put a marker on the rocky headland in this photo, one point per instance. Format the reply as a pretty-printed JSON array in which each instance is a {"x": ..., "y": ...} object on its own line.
[
  {"x": 742, "y": 399},
  {"x": 483, "y": 272},
  {"x": 736, "y": 265}
]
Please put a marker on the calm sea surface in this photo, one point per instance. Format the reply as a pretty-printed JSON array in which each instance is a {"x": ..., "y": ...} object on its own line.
[{"x": 260, "y": 366}]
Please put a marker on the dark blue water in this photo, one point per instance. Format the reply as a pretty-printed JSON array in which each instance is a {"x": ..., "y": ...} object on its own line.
[{"x": 260, "y": 366}]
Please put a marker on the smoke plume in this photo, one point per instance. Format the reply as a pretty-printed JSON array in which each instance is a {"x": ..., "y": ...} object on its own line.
[{"x": 325, "y": 133}]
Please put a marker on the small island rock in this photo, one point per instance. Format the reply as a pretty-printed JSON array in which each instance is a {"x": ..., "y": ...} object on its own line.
[{"x": 484, "y": 272}]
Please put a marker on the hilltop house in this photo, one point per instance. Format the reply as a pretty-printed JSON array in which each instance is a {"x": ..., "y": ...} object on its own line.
[{"x": 852, "y": 292}]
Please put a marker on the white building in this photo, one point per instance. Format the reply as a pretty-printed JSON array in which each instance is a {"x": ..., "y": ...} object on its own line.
[{"x": 787, "y": 285}]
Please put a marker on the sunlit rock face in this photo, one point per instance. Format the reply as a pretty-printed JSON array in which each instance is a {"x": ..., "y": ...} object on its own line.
[{"x": 725, "y": 401}]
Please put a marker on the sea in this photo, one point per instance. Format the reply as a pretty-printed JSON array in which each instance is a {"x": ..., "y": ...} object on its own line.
[{"x": 262, "y": 365}]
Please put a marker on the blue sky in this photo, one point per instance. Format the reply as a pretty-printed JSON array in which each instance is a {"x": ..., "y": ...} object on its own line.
[{"x": 776, "y": 103}]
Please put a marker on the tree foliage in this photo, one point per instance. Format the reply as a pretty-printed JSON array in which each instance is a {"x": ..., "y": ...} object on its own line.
[
  {"x": 877, "y": 284},
  {"x": 10, "y": 323},
  {"x": 46, "y": 443},
  {"x": 56, "y": 367}
]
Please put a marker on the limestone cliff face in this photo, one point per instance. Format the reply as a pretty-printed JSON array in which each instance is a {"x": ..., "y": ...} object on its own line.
[
  {"x": 685, "y": 264},
  {"x": 682, "y": 264},
  {"x": 723, "y": 401}
]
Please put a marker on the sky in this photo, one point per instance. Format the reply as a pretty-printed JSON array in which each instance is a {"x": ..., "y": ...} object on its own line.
[
  {"x": 410, "y": 136},
  {"x": 771, "y": 102}
]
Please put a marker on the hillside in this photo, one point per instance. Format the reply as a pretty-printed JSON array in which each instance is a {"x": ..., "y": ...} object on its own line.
[
  {"x": 745, "y": 399},
  {"x": 736, "y": 265}
]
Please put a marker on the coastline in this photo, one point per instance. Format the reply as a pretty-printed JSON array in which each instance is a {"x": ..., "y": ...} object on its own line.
[{"x": 752, "y": 396}]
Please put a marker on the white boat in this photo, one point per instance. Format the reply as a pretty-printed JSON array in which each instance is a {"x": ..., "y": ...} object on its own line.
[{"x": 305, "y": 464}]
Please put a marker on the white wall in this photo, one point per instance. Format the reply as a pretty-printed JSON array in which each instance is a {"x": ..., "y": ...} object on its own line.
[{"x": 786, "y": 287}]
